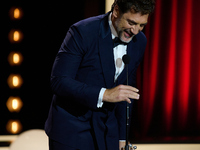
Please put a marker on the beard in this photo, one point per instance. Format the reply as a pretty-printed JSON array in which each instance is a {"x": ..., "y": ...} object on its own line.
[{"x": 125, "y": 35}]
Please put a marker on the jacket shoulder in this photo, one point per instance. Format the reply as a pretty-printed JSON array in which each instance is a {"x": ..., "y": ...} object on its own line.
[
  {"x": 89, "y": 25},
  {"x": 141, "y": 36}
]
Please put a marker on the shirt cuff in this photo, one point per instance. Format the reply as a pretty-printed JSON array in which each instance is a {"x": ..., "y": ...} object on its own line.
[
  {"x": 122, "y": 140},
  {"x": 100, "y": 103}
]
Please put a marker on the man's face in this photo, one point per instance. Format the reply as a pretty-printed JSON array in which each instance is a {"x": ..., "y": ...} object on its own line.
[{"x": 129, "y": 24}]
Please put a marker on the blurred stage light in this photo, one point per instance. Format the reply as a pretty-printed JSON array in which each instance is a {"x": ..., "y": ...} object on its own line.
[
  {"x": 14, "y": 126},
  {"x": 15, "y": 58},
  {"x": 108, "y": 4},
  {"x": 15, "y": 13},
  {"x": 15, "y": 81},
  {"x": 14, "y": 104},
  {"x": 15, "y": 36}
]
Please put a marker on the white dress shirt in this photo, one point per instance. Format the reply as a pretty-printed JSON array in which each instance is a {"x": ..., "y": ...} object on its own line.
[{"x": 118, "y": 52}]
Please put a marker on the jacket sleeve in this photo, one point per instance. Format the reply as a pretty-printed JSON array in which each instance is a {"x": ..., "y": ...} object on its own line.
[{"x": 63, "y": 76}]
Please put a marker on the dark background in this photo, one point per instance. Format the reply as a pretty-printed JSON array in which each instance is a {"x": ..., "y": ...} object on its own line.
[{"x": 44, "y": 26}]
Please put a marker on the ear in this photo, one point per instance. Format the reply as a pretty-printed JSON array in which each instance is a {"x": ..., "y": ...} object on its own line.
[{"x": 116, "y": 11}]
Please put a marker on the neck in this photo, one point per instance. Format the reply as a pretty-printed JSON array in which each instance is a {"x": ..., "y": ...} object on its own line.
[{"x": 113, "y": 19}]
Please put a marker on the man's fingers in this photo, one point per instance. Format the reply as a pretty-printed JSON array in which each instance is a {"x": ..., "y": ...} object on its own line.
[
  {"x": 132, "y": 94},
  {"x": 135, "y": 90},
  {"x": 127, "y": 87},
  {"x": 128, "y": 100},
  {"x": 121, "y": 93},
  {"x": 136, "y": 96}
]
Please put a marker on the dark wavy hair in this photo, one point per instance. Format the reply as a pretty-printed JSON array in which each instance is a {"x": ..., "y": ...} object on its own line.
[{"x": 139, "y": 6}]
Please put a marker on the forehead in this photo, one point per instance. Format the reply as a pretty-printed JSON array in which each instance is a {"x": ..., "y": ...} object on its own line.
[{"x": 136, "y": 17}]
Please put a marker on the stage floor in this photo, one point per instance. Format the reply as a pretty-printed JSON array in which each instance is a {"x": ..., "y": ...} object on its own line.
[
  {"x": 157, "y": 147},
  {"x": 143, "y": 146},
  {"x": 168, "y": 146}
]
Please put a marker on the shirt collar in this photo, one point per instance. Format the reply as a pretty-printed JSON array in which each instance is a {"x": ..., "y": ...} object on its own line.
[{"x": 113, "y": 31}]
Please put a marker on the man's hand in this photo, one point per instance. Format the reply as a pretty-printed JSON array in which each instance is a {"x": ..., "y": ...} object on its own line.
[
  {"x": 121, "y": 93},
  {"x": 122, "y": 145}
]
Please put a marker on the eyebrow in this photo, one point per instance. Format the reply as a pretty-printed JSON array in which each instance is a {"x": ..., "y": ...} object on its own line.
[{"x": 133, "y": 22}]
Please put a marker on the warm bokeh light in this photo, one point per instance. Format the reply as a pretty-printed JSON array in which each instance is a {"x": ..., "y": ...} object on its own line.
[
  {"x": 15, "y": 13},
  {"x": 108, "y": 4},
  {"x": 14, "y": 104},
  {"x": 15, "y": 81},
  {"x": 15, "y": 58},
  {"x": 14, "y": 126},
  {"x": 15, "y": 36}
]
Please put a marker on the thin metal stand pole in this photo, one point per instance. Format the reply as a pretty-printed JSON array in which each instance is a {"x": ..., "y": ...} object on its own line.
[{"x": 127, "y": 116}]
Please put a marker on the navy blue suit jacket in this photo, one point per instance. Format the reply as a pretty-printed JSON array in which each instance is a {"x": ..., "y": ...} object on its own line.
[{"x": 83, "y": 65}]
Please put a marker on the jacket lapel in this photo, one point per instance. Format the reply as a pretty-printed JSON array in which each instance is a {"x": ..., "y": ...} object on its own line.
[
  {"x": 107, "y": 56},
  {"x": 106, "y": 52}
]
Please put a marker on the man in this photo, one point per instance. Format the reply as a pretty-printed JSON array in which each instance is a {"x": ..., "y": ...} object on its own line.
[{"x": 88, "y": 110}]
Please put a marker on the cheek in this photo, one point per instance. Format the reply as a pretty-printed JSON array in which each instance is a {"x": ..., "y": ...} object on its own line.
[
  {"x": 121, "y": 24},
  {"x": 125, "y": 25}
]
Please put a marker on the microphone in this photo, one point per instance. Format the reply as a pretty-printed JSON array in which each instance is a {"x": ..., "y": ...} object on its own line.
[{"x": 126, "y": 59}]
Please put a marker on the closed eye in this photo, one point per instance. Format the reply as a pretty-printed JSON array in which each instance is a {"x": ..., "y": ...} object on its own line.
[{"x": 131, "y": 22}]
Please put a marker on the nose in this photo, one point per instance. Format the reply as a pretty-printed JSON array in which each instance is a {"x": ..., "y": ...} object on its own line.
[{"x": 135, "y": 29}]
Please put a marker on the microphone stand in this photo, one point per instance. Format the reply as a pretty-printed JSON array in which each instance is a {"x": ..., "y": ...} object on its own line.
[
  {"x": 127, "y": 115},
  {"x": 126, "y": 60}
]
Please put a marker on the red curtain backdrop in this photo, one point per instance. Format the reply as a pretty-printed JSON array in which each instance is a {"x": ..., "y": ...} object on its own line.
[{"x": 169, "y": 77}]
